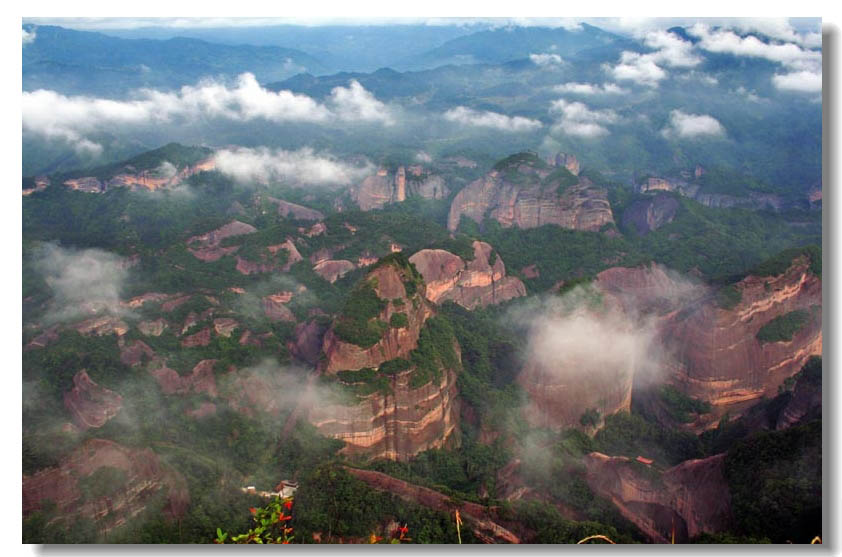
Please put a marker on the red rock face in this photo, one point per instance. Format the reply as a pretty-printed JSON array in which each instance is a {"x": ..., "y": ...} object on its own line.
[
  {"x": 396, "y": 342},
  {"x": 472, "y": 284},
  {"x": 397, "y": 425},
  {"x": 717, "y": 357},
  {"x": 90, "y": 404},
  {"x": 308, "y": 341},
  {"x": 274, "y": 307},
  {"x": 202, "y": 380},
  {"x": 295, "y": 211},
  {"x": 146, "y": 476},
  {"x": 207, "y": 246},
  {"x": 134, "y": 354},
  {"x": 331, "y": 270},
  {"x": 531, "y": 204},
  {"x": 225, "y": 326},
  {"x": 693, "y": 496},
  {"x": 105, "y": 325},
  {"x": 202, "y": 338},
  {"x": 376, "y": 191}
]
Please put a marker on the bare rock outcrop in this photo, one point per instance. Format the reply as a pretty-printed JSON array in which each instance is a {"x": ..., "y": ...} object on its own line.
[
  {"x": 333, "y": 269},
  {"x": 201, "y": 380},
  {"x": 524, "y": 191},
  {"x": 385, "y": 187},
  {"x": 691, "y": 498},
  {"x": 135, "y": 353},
  {"x": 90, "y": 404},
  {"x": 307, "y": 345},
  {"x": 647, "y": 215},
  {"x": 395, "y": 342},
  {"x": 475, "y": 283},
  {"x": 154, "y": 328},
  {"x": 274, "y": 307},
  {"x": 295, "y": 211},
  {"x": 144, "y": 478},
  {"x": 206, "y": 247},
  {"x": 718, "y": 357},
  {"x": 395, "y": 425},
  {"x": 102, "y": 325}
]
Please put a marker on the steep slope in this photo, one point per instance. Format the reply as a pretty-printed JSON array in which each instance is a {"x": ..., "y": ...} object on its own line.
[
  {"x": 470, "y": 284},
  {"x": 386, "y": 187},
  {"x": 524, "y": 191},
  {"x": 398, "y": 391},
  {"x": 687, "y": 499},
  {"x": 725, "y": 356},
  {"x": 107, "y": 483}
]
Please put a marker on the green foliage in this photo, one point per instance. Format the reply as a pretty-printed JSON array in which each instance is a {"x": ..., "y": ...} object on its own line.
[
  {"x": 563, "y": 177},
  {"x": 775, "y": 479},
  {"x": 365, "y": 381},
  {"x": 357, "y": 324},
  {"x": 728, "y": 297},
  {"x": 778, "y": 264},
  {"x": 590, "y": 417},
  {"x": 783, "y": 327},
  {"x": 104, "y": 481},
  {"x": 398, "y": 321},
  {"x": 271, "y": 525},
  {"x": 517, "y": 159},
  {"x": 436, "y": 351},
  {"x": 631, "y": 435},
  {"x": 681, "y": 407},
  {"x": 394, "y": 366},
  {"x": 730, "y": 182}
]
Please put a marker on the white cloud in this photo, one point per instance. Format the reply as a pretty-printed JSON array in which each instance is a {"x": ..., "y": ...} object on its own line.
[
  {"x": 692, "y": 125},
  {"x": 546, "y": 59},
  {"x": 578, "y": 119},
  {"x": 27, "y": 36},
  {"x": 83, "y": 282},
  {"x": 354, "y": 103},
  {"x": 303, "y": 166},
  {"x": 805, "y": 65},
  {"x": 590, "y": 89},
  {"x": 646, "y": 69},
  {"x": 804, "y": 81},
  {"x": 486, "y": 119},
  {"x": 423, "y": 156},
  {"x": 57, "y": 116}
]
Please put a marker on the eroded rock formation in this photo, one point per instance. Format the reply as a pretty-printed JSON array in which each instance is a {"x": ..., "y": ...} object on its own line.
[
  {"x": 472, "y": 284},
  {"x": 90, "y": 404},
  {"x": 689, "y": 498},
  {"x": 646, "y": 215},
  {"x": 395, "y": 425},
  {"x": 717, "y": 355},
  {"x": 395, "y": 342},
  {"x": 384, "y": 187},
  {"x": 530, "y": 194},
  {"x": 207, "y": 246},
  {"x": 145, "y": 476}
]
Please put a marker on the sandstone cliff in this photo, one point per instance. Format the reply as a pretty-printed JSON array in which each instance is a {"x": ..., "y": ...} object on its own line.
[
  {"x": 472, "y": 284},
  {"x": 207, "y": 246},
  {"x": 396, "y": 342},
  {"x": 385, "y": 187},
  {"x": 129, "y": 177},
  {"x": 717, "y": 355},
  {"x": 647, "y": 215},
  {"x": 90, "y": 404},
  {"x": 526, "y": 192},
  {"x": 395, "y": 425},
  {"x": 691, "y": 498},
  {"x": 145, "y": 476}
]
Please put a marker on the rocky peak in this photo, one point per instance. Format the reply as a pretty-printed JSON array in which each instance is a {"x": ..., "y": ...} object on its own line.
[
  {"x": 478, "y": 282},
  {"x": 90, "y": 404},
  {"x": 367, "y": 333},
  {"x": 385, "y": 187},
  {"x": 523, "y": 190}
]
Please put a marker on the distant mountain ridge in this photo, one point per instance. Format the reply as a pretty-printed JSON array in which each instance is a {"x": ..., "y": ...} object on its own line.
[{"x": 82, "y": 62}]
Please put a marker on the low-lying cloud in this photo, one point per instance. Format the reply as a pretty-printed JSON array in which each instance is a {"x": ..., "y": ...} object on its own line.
[
  {"x": 577, "y": 119},
  {"x": 546, "y": 59},
  {"x": 685, "y": 125},
  {"x": 648, "y": 69},
  {"x": 75, "y": 118},
  {"x": 84, "y": 282},
  {"x": 27, "y": 36},
  {"x": 804, "y": 65},
  {"x": 494, "y": 120},
  {"x": 303, "y": 166},
  {"x": 590, "y": 89}
]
